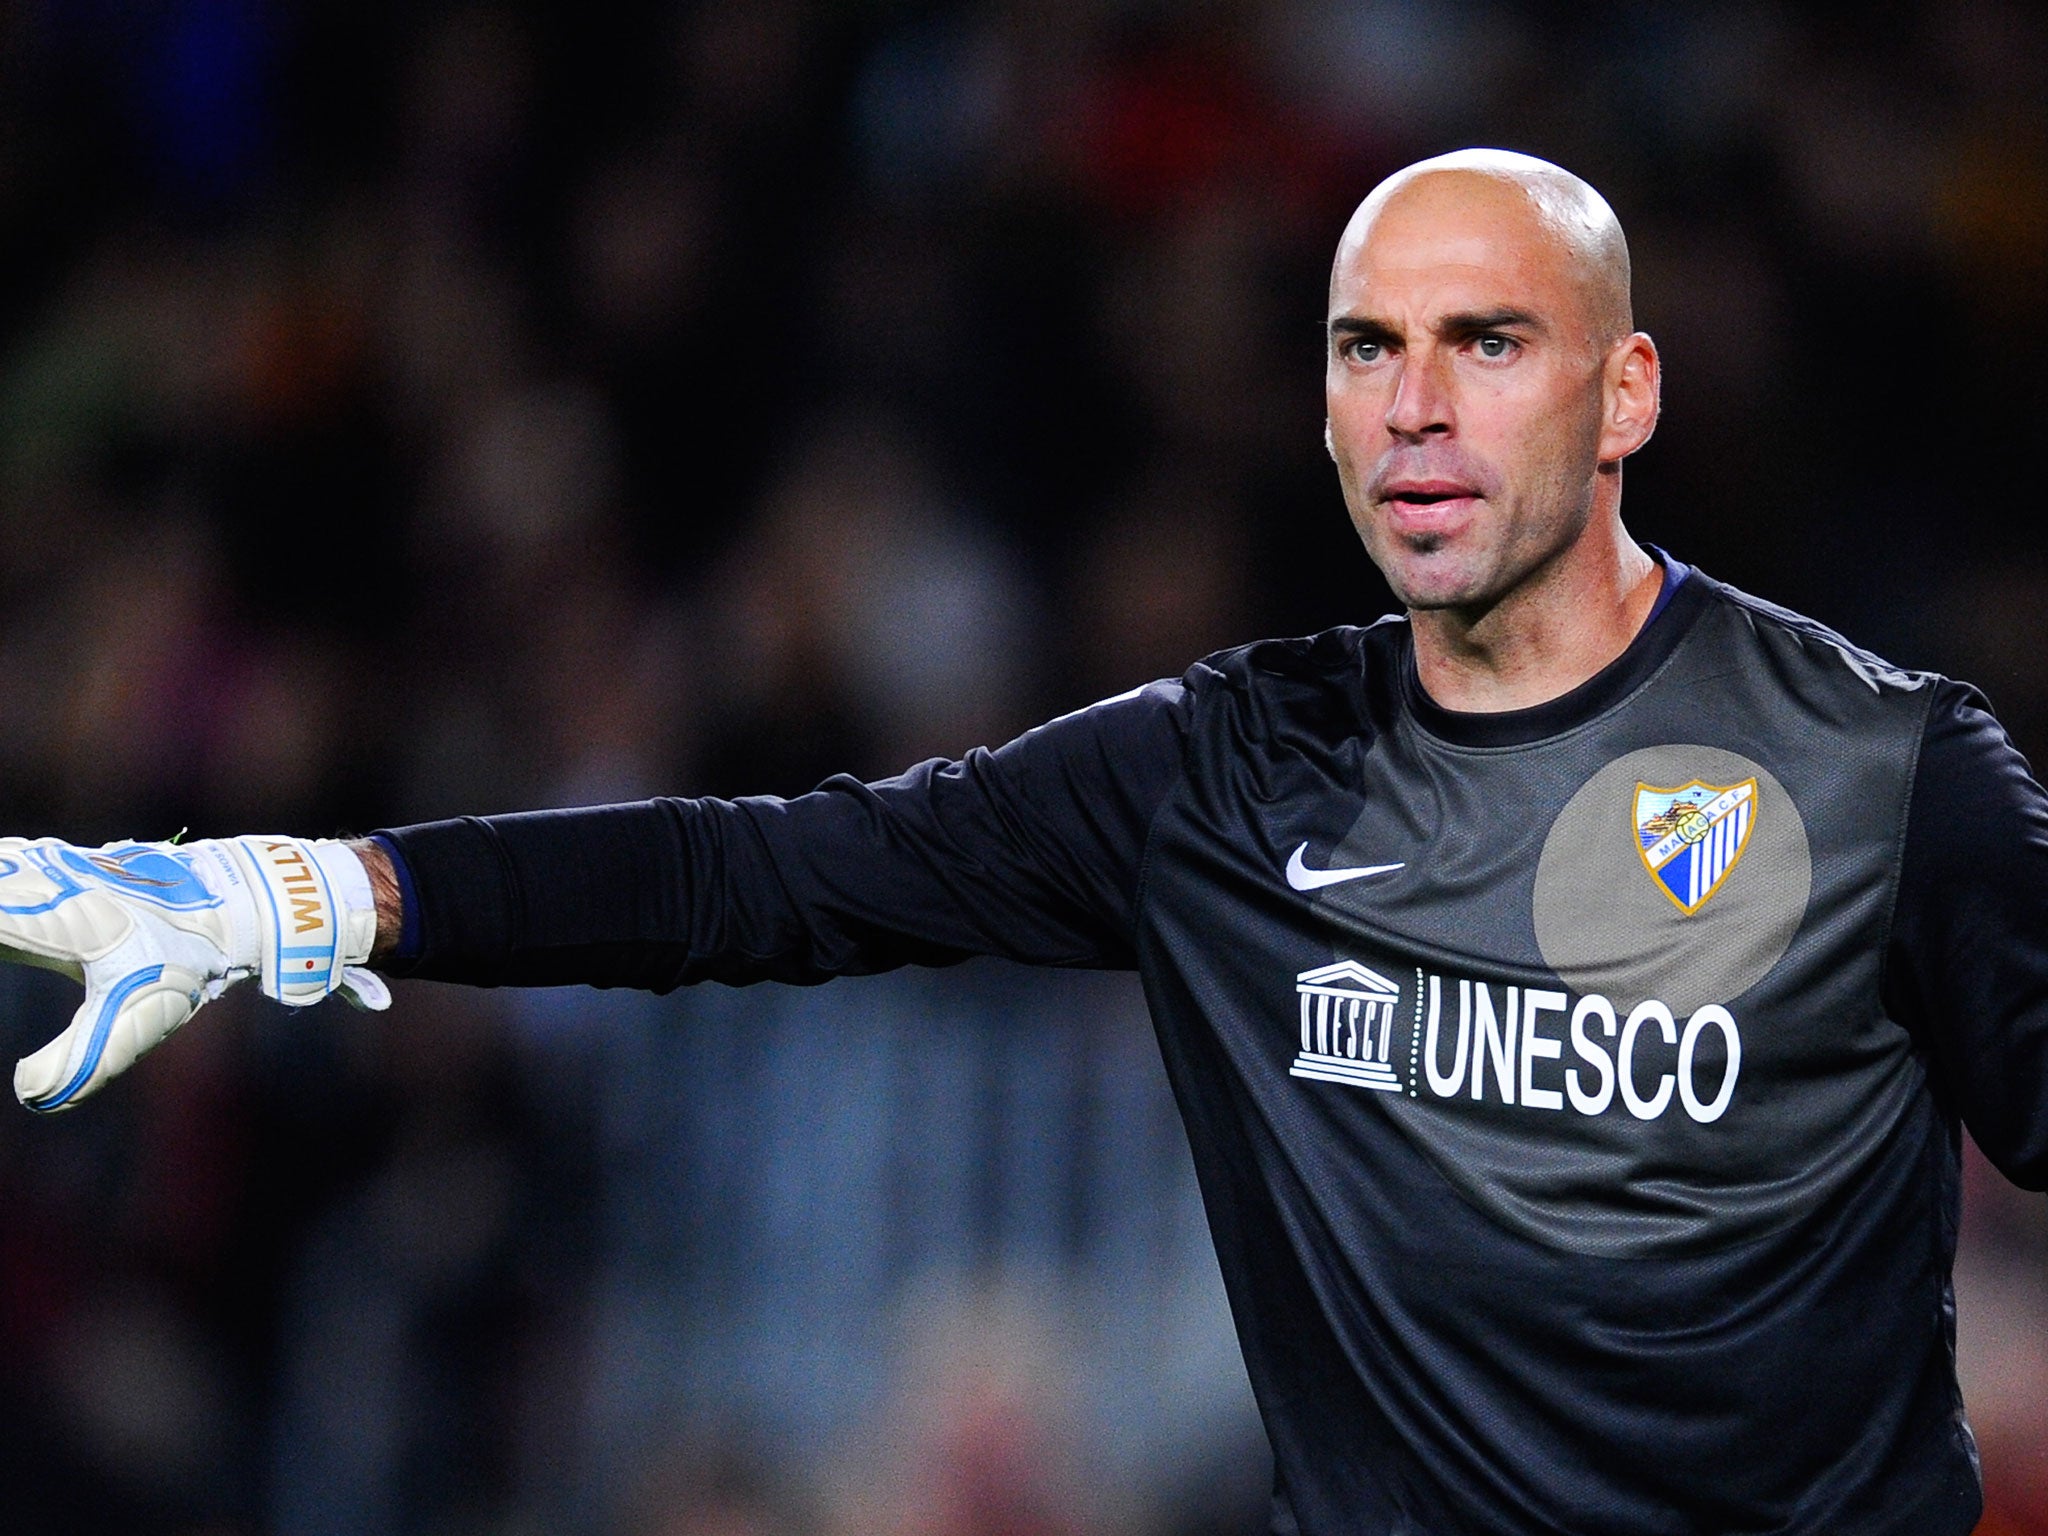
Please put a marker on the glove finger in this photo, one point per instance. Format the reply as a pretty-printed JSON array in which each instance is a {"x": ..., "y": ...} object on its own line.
[
  {"x": 121, "y": 1018},
  {"x": 48, "y": 918}
]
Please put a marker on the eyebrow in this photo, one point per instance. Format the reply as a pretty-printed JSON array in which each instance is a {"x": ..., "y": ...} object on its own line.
[
  {"x": 1355, "y": 328},
  {"x": 1467, "y": 323},
  {"x": 1460, "y": 326}
]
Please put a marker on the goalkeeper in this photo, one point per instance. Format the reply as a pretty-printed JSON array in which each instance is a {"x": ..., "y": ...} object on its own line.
[{"x": 1573, "y": 990}]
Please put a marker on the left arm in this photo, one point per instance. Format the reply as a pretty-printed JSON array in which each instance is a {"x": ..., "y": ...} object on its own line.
[{"x": 1967, "y": 966}]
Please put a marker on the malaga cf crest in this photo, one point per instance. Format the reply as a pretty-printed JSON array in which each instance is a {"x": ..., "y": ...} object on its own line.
[{"x": 1691, "y": 837}]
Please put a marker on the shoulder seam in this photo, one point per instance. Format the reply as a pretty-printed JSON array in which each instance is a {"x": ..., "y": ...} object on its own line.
[
  {"x": 1144, "y": 880},
  {"x": 1872, "y": 668},
  {"x": 1898, "y": 854}
]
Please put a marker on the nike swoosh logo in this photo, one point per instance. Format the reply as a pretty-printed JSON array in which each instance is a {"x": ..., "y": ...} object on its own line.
[{"x": 1302, "y": 878}]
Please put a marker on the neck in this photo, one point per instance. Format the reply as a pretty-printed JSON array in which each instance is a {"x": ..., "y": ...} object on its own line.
[{"x": 1557, "y": 628}]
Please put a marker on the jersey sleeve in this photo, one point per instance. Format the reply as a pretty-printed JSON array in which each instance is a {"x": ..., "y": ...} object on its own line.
[
  {"x": 1967, "y": 967},
  {"x": 1031, "y": 851}
]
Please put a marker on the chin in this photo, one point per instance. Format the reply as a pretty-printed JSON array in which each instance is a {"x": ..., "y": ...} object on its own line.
[
  {"x": 1424, "y": 590},
  {"x": 1443, "y": 602}
]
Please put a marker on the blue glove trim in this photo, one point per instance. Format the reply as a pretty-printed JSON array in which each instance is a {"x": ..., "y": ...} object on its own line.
[
  {"x": 135, "y": 872},
  {"x": 67, "y": 887},
  {"x": 141, "y": 872},
  {"x": 101, "y": 1027}
]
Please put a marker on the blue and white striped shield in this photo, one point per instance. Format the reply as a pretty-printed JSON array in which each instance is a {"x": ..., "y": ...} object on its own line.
[{"x": 1691, "y": 837}]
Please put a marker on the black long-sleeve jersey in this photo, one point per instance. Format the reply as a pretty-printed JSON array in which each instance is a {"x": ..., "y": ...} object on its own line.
[{"x": 1574, "y": 1092}]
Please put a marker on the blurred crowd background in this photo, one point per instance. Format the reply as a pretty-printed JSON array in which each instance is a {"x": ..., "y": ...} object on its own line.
[{"x": 409, "y": 410}]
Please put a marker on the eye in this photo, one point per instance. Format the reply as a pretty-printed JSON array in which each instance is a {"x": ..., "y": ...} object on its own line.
[
  {"x": 1494, "y": 348},
  {"x": 1361, "y": 349}
]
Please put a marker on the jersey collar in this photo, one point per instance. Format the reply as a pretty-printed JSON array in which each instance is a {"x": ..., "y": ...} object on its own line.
[{"x": 1671, "y": 618}]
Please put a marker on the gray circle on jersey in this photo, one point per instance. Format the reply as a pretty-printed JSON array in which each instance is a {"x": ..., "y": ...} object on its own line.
[{"x": 1606, "y": 924}]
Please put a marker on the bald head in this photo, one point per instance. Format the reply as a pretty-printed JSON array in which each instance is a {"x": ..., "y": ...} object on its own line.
[
  {"x": 1484, "y": 381},
  {"x": 1495, "y": 190}
]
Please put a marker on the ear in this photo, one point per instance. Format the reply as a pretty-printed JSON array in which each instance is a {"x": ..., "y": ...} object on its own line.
[{"x": 1631, "y": 395}]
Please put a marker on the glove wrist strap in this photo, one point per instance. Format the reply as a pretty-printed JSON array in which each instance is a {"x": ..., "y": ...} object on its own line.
[
  {"x": 314, "y": 911},
  {"x": 353, "y": 898}
]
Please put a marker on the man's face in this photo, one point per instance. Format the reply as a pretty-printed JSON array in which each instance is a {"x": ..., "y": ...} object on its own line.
[{"x": 1464, "y": 389}]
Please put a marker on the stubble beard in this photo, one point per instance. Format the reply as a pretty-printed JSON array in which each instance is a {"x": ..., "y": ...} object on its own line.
[
  {"x": 1511, "y": 540},
  {"x": 1428, "y": 573},
  {"x": 1426, "y": 570}
]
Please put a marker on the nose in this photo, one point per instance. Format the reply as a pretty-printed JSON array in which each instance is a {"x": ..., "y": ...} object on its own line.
[{"x": 1421, "y": 406}]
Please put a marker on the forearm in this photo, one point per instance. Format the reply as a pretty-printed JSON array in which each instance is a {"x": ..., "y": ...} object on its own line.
[
  {"x": 1029, "y": 852},
  {"x": 597, "y": 895},
  {"x": 389, "y": 895},
  {"x": 845, "y": 881},
  {"x": 664, "y": 892}
]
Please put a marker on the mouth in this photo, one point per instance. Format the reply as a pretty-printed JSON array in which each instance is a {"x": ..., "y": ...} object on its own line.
[
  {"x": 1427, "y": 493},
  {"x": 1428, "y": 506}
]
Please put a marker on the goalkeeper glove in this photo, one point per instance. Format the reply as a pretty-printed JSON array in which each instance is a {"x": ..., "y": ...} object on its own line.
[{"x": 155, "y": 930}]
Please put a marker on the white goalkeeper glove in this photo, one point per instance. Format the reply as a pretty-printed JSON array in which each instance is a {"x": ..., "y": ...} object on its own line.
[{"x": 154, "y": 930}]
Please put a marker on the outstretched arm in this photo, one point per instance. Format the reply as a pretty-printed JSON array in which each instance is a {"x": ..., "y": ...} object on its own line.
[{"x": 1031, "y": 851}]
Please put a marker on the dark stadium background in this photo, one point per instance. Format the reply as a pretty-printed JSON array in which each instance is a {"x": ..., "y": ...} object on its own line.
[{"x": 408, "y": 410}]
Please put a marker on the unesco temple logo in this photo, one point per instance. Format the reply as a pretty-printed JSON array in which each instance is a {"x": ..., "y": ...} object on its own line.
[{"x": 1347, "y": 1026}]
